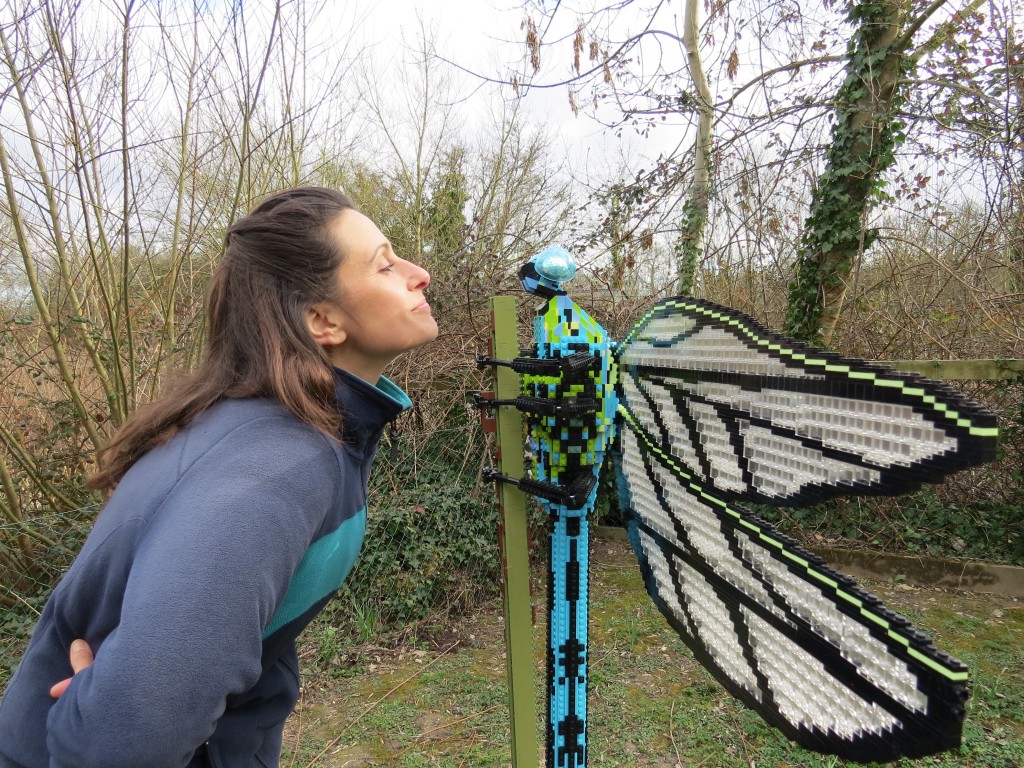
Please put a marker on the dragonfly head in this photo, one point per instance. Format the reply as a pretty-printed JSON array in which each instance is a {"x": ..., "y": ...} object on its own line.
[{"x": 544, "y": 273}]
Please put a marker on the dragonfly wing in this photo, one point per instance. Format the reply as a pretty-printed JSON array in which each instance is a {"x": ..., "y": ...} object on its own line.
[
  {"x": 812, "y": 653},
  {"x": 762, "y": 418},
  {"x": 715, "y": 409}
]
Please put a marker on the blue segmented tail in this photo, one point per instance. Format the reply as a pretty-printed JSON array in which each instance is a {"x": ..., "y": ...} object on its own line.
[{"x": 569, "y": 453}]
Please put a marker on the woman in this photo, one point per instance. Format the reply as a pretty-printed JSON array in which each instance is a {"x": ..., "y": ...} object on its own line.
[{"x": 238, "y": 508}]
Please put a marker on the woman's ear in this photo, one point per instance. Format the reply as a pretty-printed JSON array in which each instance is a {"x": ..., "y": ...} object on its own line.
[{"x": 324, "y": 323}]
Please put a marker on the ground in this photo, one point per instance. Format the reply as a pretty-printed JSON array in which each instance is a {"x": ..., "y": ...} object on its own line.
[{"x": 441, "y": 701}]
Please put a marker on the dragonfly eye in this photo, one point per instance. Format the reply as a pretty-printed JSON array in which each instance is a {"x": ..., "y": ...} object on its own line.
[
  {"x": 544, "y": 274},
  {"x": 555, "y": 264}
]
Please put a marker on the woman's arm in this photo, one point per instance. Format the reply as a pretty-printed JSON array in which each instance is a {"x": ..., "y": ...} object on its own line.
[{"x": 209, "y": 570}]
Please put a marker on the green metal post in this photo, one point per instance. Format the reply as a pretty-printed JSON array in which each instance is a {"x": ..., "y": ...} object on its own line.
[{"x": 514, "y": 542}]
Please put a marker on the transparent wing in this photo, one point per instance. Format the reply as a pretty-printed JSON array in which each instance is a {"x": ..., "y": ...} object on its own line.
[
  {"x": 715, "y": 409},
  {"x": 761, "y": 418},
  {"x": 807, "y": 649}
]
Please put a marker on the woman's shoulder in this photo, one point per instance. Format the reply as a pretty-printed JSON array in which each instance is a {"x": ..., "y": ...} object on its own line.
[
  {"x": 241, "y": 451},
  {"x": 256, "y": 426}
]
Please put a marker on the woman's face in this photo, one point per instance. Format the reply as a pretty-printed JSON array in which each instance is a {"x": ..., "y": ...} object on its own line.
[{"x": 382, "y": 312}]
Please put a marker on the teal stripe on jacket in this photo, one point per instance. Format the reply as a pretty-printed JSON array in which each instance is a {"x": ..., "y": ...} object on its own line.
[{"x": 323, "y": 569}]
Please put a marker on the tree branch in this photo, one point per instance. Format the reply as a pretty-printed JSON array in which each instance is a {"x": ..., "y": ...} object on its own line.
[{"x": 902, "y": 42}]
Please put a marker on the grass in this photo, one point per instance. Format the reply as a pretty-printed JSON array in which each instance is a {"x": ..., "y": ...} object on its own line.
[{"x": 650, "y": 705}]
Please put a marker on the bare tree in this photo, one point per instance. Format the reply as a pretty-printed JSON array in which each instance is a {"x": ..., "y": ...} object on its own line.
[{"x": 133, "y": 135}]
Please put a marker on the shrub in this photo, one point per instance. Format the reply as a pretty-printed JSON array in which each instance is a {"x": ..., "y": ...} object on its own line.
[{"x": 431, "y": 550}]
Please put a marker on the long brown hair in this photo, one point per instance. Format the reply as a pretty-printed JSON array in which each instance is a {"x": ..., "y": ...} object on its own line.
[{"x": 278, "y": 261}]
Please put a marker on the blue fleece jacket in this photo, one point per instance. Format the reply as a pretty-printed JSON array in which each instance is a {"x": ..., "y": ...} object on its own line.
[{"x": 216, "y": 549}]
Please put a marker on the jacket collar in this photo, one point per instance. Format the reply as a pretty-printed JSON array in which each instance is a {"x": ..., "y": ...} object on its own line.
[{"x": 366, "y": 409}]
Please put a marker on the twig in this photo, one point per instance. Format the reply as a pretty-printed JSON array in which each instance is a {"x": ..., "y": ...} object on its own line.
[
  {"x": 739, "y": 733},
  {"x": 370, "y": 708},
  {"x": 298, "y": 730},
  {"x": 20, "y": 599},
  {"x": 671, "y": 731},
  {"x": 456, "y": 722}
]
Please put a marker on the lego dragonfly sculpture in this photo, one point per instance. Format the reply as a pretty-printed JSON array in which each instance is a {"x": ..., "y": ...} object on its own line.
[{"x": 702, "y": 409}]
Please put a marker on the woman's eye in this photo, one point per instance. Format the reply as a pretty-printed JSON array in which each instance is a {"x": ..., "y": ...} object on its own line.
[{"x": 388, "y": 268}]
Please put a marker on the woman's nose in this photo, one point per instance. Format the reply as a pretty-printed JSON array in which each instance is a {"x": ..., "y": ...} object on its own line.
[{"x": 419, "y": 278}]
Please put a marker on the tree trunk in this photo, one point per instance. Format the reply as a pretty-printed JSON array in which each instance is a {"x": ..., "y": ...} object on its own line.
[
  {"x": 867, "y": 131},
  {"x": 690, "y": 242}
]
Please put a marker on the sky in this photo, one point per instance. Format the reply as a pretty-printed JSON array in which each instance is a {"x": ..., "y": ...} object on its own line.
[
  {"x": 486, "y": 37},
  {"x": 481, "y": 36}
]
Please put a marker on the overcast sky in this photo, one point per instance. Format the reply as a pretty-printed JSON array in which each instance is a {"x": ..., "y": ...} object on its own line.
[{"x": 486, "y": 37}]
